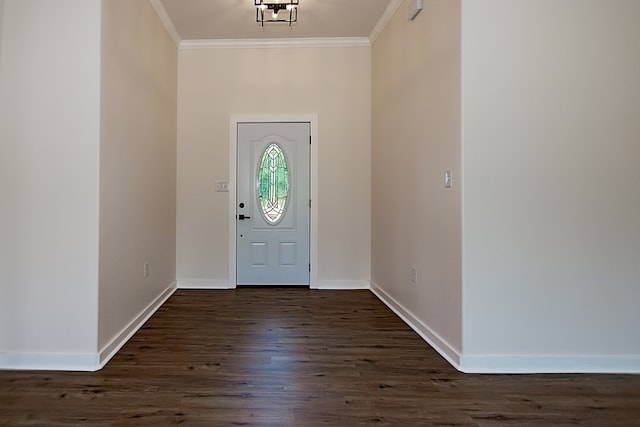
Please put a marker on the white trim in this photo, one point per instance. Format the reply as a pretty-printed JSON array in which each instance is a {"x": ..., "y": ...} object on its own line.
[
  {"x": 342, "y": 285},
  {"x": 314, "y": 196},
  {"x": 50, "y": 361},
  {"x": 233, "y": 200},
  {"x": 204, "y": 284},
  {"x": 234, "y": 120},
  {"x": 389, "y": 12},
  {"x": 447, "y": 351},
  {"x": 528, "y": 364},
  {"x": 274, "y": 43},
  {"x": 110, "y": 350},
  {"x": 166, "y": 21},
  {"x": 90, "y": 362},
  {"x": 280, "y": 285},
  {"x": 512, "y": 364}
]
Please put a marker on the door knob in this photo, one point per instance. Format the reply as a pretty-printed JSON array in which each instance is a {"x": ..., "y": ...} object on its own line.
[{"x": 242, "y": 217}]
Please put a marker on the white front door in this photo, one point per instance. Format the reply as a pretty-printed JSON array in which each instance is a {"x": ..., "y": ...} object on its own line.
[{"x": 273, "y": 208}]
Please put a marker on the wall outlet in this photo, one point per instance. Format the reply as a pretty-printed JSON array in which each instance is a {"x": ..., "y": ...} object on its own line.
[
  {"x": 414, "y": 275},
  {"x": 146, "y": 270}
]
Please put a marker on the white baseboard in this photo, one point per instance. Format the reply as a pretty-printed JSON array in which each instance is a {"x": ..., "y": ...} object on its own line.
[
  {"x": 204, "y": 284},
  {"x": 322, "y": 284},
  {"x": 341, "y": 285},
  {"x": 125, "y": 335},
  {"x": 534, "y": 364},
  {"x": 452, "y": 355},
  {"x": 50, "y": 361},
  {"x": 86, "y": 362},
  {"x": 512, "y": 364}
]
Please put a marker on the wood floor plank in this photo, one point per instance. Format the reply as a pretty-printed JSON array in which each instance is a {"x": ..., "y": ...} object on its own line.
[{"x": 296, "y": 357}]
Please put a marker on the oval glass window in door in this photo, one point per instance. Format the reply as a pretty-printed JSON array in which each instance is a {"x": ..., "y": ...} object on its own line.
[{"x": 273, "y": 184}]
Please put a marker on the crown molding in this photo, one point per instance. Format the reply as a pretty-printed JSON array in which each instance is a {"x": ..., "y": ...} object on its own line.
[
  {"x": 274, "y": 43},
  {"x": 166, "y": 21},
  {"x": 389, "y": 12}
]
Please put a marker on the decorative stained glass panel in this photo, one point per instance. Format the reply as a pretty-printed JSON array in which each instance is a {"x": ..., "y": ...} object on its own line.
[{"x": 273, "y": 184}]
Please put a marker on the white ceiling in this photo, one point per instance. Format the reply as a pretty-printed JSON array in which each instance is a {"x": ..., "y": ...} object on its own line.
[{"x": 236, "y": 19}]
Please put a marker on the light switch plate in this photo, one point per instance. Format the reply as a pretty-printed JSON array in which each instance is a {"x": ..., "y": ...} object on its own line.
[
  {"x": 222, "y": 187},
  {"x": 448, "y": 178}
]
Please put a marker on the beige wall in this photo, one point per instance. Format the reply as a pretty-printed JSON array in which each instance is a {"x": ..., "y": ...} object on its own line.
[
  {"x": 137, "y": 163},
  {"x": 335, "y": 83},
  {"x": 87, "y": 176},
  {"x": 538, "y": 123},
  {"x": 49, "y": 142},
  {"x": 552, "y": 179},
  {"x": 1, "y": 22},
  {"x": 416, "y": 136}
]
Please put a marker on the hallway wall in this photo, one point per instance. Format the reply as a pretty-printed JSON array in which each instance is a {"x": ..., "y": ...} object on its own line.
[
  {"x": 416, "y": 221},
  {"x": 1, "y": 24},
  {"x": 551, "y": 103},
  {"x": 137, "y": 164},
  {"x": 87, "y": 177},
  {"x": 333, "y": 82},
  {"x": 49, "y": 142}
]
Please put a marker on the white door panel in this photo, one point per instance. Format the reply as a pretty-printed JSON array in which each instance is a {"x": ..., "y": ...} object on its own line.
[{"x": 272, "y": 209}]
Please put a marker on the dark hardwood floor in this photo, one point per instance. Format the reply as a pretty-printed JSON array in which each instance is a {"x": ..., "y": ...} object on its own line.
[{"x": 295, "y": 357}]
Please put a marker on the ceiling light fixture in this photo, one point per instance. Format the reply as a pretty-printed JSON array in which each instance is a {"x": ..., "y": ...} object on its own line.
[{"x": 276, "y": 7}]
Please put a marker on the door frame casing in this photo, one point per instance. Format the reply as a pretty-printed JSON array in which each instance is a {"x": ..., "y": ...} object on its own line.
[{"x": 234, "y": 121}]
